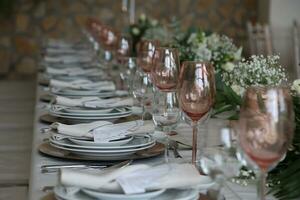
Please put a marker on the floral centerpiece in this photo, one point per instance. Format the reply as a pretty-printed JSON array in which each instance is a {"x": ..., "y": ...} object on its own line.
[
  {"x": 147, "y": 28},
  {"x": 233, "y": 75}
]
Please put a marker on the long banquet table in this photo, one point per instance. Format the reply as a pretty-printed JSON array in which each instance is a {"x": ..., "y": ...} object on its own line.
[{"x": 39, "y": 180}]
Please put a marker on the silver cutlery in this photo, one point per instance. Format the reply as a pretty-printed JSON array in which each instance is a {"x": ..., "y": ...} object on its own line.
[
  {"x": 120, "y": 165},
  {"x": 173, "y": 145},
  {"x": 56, "y": 167}
]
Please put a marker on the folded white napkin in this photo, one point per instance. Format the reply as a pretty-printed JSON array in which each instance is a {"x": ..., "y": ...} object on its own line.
[
  {"x": 102, "y": 130},
  {"x": 78, "y": 130},
  {"x": 68, "y": 59},
  {"x": 68, "y": 50},
  {"x": 65, "y": 101},
  {"x": 74, "y": 71},
  {"x": 136, "y": 178},
  {"x": 83, "y": 84},
  {"x": 94, "y": 102}
]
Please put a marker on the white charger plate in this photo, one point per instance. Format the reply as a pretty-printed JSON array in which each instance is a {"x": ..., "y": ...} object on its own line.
[
  {"x": 75, "y": 111},
  {"x": 111, "y": 196},
  {"x": 135, "y": 142},
  {"x": 91, "y": 117},
  {"x": 70, "y": 92},
  {"x": 109, "y": 144},
  {"x": 78, "y": 110},
  {"x": 102, "y": 152},
  {"x": 124, "y": 113},
  {"x": 174, "y": 194}
]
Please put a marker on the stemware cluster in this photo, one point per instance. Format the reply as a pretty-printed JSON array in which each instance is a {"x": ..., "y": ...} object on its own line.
[{"x": 170, "y": 88}]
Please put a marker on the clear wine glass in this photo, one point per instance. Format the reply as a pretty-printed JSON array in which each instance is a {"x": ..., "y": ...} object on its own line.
[
  {"x": 266, "y": 128},
  {"x": 124, "y": 47},
  {"x": 165, "y": 69},
  {"x": 142, "y": 90},
  {"x": 219, "y": 160},
  {"x": 196, "y": 90},
  {"x": 127, "y": 71},
  {"x": 94, "y": 27},
  {"x": 166, "y": 113}
]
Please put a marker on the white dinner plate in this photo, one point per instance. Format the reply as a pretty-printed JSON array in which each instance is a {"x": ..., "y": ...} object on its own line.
[
  {"x": 103, "y": 152},
  {"x": 86, "y": 118},
  {"x": 76, "y": 93},
  {"x": 136, "y": 142},
  {"x": 174, "y": 194},
  {"x": 73, "y": 92},
  {"x": 76, "y": 111},
  {"x": 86, "y": 111},
  {"x": 112, "y": 196},
  {"x": 114, "y": 143},
  {"x": 123, "y": 112}
]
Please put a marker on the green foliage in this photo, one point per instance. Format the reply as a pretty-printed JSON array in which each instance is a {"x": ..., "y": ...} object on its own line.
[
  {"x": 226, "y": 98},
  {"x": 284, "y": 179}
]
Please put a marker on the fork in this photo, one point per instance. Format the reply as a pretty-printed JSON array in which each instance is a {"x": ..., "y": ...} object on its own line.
[
  {"x": 174, "y": 147},
  {"x": 119, "y": 165}
]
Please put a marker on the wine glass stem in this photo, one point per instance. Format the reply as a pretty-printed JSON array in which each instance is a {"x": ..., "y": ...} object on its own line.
[
  {"x": 261, "y": 186},
  {"x": 194, "y": 147},
  {"x": 167, "y": 148},
  {"x": 143, "y": 109}
]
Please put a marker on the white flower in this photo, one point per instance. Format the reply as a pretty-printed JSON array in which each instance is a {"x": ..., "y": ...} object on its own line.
[
  {"x": 135, "y": 31},
  {"x": 296, "y": 86},
  {"x": 229, "y": 66},
  {"x": 238, "y": 89},
  {"x": 143, "y": 17},
  {"x": 192, "y": 39},
  {"x": 258, "y": 70},
  {"x": 213, "y": 40},
  {"x": 154, "y": 22},
  {"x": 203, "y": 54},
  {"x": 238, "y": 54}
]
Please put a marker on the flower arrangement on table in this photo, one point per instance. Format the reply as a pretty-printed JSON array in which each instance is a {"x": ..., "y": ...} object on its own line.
[
  {"x": 147, "y": 28},
  {"x": 233, "y": 75}
]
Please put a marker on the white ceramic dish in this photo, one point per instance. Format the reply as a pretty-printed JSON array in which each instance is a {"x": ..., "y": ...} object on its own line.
[
  {"x": 134, "y": 142},
  {"x": 103, "y": 152},
  {"x": 111, "y": 196},
  {"x": 114, "y": 143},
  {"x": 75, "y": 111},
  {"x": 174, "y": 194}
]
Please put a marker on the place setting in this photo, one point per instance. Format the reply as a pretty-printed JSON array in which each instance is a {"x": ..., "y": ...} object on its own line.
[
  {"x": 131, "y": 182},
  {"x": 102, "y": 140}
]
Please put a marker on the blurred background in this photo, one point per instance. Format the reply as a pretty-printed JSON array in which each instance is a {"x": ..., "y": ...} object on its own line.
[{"x": 26, "y": 23}]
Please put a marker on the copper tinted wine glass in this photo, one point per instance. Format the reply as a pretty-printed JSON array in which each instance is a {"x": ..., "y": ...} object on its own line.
[
  {"x": 165, "y": 69},
  {"x": 124, "y": 47},
  {"x": 196, "y": 90},
  {"x": 145, "y": 54},
  {"x": 266, "y": 128}
]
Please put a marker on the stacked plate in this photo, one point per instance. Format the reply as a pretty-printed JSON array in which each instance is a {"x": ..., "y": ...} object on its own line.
[
  {"x": 89, "y": 113},
  {"x": 81, "y": 93},
  {"x": 110, "y": 150},
  {"x": 85, "y": 194}
]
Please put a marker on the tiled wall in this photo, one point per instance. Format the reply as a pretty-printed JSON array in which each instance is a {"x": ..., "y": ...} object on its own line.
[{"x": 32, "y": 20}]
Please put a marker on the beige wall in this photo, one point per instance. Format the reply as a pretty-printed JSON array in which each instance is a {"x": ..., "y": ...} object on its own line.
[
  {"x": 33, "y": 20},
  {"x": 281, "y": 17}
]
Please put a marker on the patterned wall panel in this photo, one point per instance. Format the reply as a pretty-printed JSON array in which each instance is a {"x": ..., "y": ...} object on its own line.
[{"x": 34, "y": 20}]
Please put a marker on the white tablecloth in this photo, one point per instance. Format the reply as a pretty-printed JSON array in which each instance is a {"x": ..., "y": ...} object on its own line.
[{"x": 39, "y": 180}]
